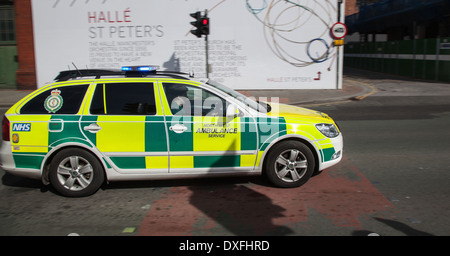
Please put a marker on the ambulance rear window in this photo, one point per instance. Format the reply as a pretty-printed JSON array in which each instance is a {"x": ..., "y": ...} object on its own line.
[{"x": 58, "y": 100}]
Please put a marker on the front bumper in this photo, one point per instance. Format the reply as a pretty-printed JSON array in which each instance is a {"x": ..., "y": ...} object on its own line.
[{"x": 338, "y": 144}]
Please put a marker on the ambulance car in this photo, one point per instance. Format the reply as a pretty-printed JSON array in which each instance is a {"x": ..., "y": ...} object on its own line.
[{"x": 95, "y": 126}]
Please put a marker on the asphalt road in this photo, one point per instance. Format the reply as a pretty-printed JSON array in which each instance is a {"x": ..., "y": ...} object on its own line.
[
  {"x": 401, "y": 145},
  {"x": 399, "y": 139},
  {"x": 394, "y": 180}
]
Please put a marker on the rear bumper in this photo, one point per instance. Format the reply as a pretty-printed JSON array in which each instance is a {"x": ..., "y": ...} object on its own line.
[
  {"x": 6, "y": 157},
  {"x": 7, "y": 163}
]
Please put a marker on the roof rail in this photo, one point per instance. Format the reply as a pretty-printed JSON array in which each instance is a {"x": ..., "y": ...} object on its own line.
[
  {"x": 98, "y": 73},
  {"x": 71, "y": 74}
]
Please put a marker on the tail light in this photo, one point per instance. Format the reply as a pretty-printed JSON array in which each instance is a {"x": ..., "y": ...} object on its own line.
[{"x": 5, "y": 129}]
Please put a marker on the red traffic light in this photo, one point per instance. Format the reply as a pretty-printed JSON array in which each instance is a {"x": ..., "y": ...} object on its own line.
[{"x": 201, "y": 24}]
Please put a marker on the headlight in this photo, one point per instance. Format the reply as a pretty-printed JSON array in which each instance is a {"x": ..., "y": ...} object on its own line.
[{"x": 328, "y": 130}]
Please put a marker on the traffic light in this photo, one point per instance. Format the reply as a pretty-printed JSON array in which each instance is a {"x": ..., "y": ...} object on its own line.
[
  {"x": 205, "y": 25},
  {"x": 201, "y": 24}
]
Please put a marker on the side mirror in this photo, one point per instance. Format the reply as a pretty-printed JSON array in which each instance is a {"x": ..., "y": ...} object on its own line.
[{"x": 233, "y": 111}]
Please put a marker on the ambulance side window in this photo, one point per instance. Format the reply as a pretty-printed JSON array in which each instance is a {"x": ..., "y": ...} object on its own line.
[
  {"x": 189, "y": 100},
  {"x": 59, "y": 100},
  {"x": 123, "y": 99}
]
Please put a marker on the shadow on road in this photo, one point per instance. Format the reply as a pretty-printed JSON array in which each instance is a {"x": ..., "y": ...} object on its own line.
[
  {"x": 239, "y": 209},
  {"x": 23, "y": 183},
  {"x": 407, "y": 230}
]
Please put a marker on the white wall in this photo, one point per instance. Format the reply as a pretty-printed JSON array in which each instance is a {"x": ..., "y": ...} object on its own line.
[{"x": 254, "y": 44}]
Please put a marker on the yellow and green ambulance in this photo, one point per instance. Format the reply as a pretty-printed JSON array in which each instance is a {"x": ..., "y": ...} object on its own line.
[{"x": 96, "y": 126}]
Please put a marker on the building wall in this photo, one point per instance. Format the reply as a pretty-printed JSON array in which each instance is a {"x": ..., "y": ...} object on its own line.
[
  {"x": 251, "y": 45},
  {"x": 26, "y": 73},
  {"x": 351, "y": 7}
]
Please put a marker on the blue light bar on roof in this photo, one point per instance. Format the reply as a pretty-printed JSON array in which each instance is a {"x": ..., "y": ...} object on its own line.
[{"x": 140, "y": 68}]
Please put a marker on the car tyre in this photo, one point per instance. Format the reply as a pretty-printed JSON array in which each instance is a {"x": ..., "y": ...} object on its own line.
[
  {"x": 76, "y": 173},
  {"x": 289, "y": 164}
]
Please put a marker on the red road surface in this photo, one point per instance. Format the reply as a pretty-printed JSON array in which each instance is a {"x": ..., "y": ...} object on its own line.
[{"x": 340, "y": 194}]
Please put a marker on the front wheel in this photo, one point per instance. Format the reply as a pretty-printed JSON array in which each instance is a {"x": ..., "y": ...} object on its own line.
[
  {"x": 289, "y": 164},
  {"x": 76, "y": 173}
]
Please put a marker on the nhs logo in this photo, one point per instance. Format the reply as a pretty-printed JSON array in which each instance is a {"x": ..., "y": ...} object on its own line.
[{"x": 21, "y": 127}]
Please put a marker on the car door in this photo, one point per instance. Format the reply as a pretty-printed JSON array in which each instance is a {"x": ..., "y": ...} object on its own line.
[
  {"x": 201, "y": 137},
  {"x": 126, "y": 127},
  {"x": 45, "y": 121}
]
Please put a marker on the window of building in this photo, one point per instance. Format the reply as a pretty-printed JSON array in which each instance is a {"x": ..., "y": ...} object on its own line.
[{"x": 7, "y": 28}]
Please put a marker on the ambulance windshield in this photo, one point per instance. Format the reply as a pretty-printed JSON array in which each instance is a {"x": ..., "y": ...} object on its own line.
[{"x": 249, "y": 101}]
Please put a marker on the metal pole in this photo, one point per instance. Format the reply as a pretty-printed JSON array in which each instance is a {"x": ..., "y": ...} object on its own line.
[
  {"x": 206, "y": 50},
  {"x": 206, "y": 56},
  {"x": 436, "y": 68},
  {"x": 338, "y": 59}
]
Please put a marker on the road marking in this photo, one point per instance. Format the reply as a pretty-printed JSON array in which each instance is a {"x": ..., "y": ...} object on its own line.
[{"x": 373, "y": 90}]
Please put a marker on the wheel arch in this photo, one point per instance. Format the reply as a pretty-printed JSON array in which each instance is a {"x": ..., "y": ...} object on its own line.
[
  {"x": 298, "y": 138},
  {"x": 52, "y": 153}
]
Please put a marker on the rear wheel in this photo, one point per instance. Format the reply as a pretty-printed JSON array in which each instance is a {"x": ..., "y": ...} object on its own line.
[
  {"x": 75, "y": 173},
  {"x": 289, "y": 164}
]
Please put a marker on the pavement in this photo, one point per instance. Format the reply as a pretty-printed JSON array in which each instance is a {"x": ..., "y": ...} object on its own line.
[{"x": 357, "y": 85}]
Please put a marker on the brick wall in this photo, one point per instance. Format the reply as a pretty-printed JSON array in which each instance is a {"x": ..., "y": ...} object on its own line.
[
  {"x": 26, "y": 73},
  {"x": 351, "y": 7}
]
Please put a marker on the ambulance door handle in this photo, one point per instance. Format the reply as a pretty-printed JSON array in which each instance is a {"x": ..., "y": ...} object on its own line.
[
  {"x": 93, "y": 128},
  {"x": 178, "y": 128}
]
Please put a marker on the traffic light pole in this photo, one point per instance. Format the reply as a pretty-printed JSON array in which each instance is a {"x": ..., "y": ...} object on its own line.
[
  {"x": 201, "y": 24},
  {"x": 339, "y": 62},
  {"x": 206, "y": 56},
  {"x": 206, "y": 50}
]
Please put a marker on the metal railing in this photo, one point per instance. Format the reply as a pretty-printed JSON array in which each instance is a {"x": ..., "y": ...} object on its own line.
[{"x": 427, "y": 58}]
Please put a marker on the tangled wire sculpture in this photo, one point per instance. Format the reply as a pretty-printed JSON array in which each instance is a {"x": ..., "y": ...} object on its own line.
[{"x": 297, "y": 31}]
